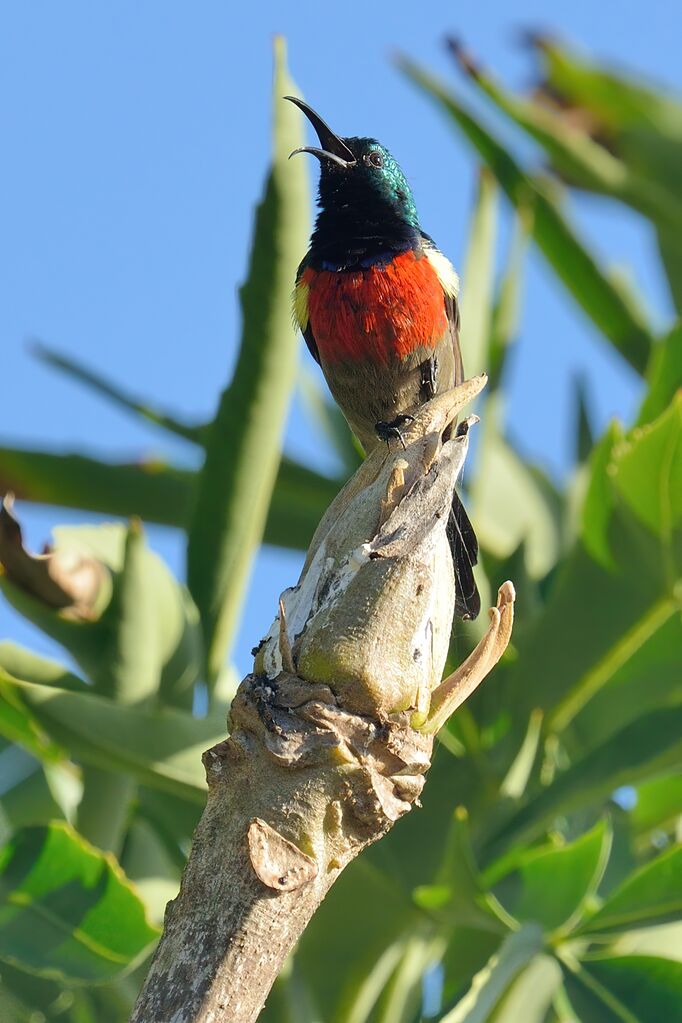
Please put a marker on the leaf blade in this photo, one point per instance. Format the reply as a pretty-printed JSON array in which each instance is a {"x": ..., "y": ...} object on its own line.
[
  {"x": 233, "y": 498},
  {"x": 67, "y": 910}
]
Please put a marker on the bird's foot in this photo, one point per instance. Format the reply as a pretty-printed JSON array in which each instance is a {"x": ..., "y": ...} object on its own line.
[{"x": 389, "y": 431}]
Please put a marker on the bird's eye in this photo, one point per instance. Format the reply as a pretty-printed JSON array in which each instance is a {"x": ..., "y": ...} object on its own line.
[{"x": 374, "y": 159}]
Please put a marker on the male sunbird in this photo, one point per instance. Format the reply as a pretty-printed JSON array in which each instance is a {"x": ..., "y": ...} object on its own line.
[{"x": 376, "y": 302}]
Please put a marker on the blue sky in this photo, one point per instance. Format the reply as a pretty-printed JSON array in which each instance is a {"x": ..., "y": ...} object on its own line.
[{"x": 136, "y": 142}]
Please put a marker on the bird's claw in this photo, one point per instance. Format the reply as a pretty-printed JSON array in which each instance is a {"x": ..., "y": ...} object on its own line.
[{"x": 388, "y": 431}]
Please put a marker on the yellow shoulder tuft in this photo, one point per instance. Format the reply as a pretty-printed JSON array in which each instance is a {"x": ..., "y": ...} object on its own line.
[{"x": 300, "y": 308}]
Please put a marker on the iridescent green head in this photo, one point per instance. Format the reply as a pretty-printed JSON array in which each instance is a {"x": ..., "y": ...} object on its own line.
[{"x": 358, "y": 174}]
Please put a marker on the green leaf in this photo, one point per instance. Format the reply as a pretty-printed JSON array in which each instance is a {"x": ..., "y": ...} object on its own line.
[
  {"x": 647, "y": 677},
  {"x": 577, "y": 157},
  {"x": 150, "y": 489},
  {"x": 118, "y": 395},
  {"x": 584, "y": 438},
  {"x": 402, "y": 995},
  {"x": 652, "y": 895},
  {"x": 659, "y": 804},
  {"x": 148, "y": 865},
  {"x": 157, "y": 492},
  {"x": 647, "y": 471},
  {"x": 618, "y": 603},
  {"x": 671, "y": 258},
  {"x": 494, "y": 980},
  {"x": 369, "y": 953},
  {"x": 243, "y": 443},
  {"x": 66, "y": 910},
  {"x": 617, "y": 102},
  {"x": 511, "y": 503},
  {"x": 18, "y": 726},
  {"x": 22, "y": 663},
  {"x": 626, "y": 989},
  {"x": 479, "y": 277},
  {"x": 647, "y": 747},
  {"x": 529, "y": 997},
  {"x": 161, "y": 747},
  {"x": 507, "y": 309},
  {"x": 104, "y": 809},
  {"x": 611, "y": 310},
  {"x": 553, "y": 885},
  {"x": 457, "y": 896},
  {"x": 144, "y": 639},
  {"x": 664, "y": 376},
  {"x": 599, "y": 502},
  {"x": 31, "y": 800}
]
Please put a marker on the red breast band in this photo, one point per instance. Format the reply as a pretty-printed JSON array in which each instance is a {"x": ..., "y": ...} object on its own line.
[{"x": 381, "y": 312}]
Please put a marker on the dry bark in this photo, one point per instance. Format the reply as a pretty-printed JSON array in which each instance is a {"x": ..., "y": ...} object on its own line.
[{"x": 331, "y": 735}]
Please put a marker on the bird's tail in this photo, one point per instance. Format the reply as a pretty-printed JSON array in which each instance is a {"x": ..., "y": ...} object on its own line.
[{"x": 464, "y": 547}]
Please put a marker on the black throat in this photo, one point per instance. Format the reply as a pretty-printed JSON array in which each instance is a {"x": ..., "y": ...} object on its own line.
[{"x": 356, "y": 227}]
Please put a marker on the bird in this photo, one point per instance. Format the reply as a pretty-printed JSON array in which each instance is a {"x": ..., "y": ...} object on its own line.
[{"x": 376, "y": 302}]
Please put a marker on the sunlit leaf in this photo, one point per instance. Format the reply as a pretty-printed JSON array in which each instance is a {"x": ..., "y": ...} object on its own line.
[
  {"x": 161, "y": 747},
  {"x": 576, "y": 156},
  {"x": 478, "y": 277},
  {"x": 647, "y": 747},
  {"x": 626, "y": 989},
  {"x": 157, "y": 492},
  {"x": 612, "y": 311},
  {"x": 664, "y": 377},
  {"x": 243, "y": 443},
  {"x": 490, "y": 985},
  {"x": 144, "y": 639},
  {"x": 66, "y": 910},
  {"x": 651, "y": 896},
  {"x": 552, "y": 885},
  {"x": 647, "y": 471},
  {"x": 659, "y": 804}
]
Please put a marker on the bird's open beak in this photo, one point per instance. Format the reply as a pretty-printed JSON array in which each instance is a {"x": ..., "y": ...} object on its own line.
[{"x": 333, "y": 147}]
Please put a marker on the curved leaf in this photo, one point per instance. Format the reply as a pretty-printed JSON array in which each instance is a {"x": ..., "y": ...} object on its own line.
[
  {"x": 652, "y": 895},
  {"x": 626, "y": 989},
  {"x": 161, "y": 747},
  {"x": 647, "y": 747},
  {"x": 66, "y": 910},
  {"x": 553, "y": 885},
  {"x": 489, "y": 987}
]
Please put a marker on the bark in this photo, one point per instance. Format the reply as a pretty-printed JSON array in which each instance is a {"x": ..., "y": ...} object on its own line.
[{"x": 330, "y": 736}]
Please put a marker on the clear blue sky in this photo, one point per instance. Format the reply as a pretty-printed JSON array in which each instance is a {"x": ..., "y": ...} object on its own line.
[{"x": 136, "y": 139}]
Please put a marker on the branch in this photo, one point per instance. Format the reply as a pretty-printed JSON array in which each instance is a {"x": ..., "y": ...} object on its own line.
[{"x": 323, "y": 755}]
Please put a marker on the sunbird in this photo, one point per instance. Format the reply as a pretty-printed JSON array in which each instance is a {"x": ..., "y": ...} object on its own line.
[{"x": 376, "y": 302}]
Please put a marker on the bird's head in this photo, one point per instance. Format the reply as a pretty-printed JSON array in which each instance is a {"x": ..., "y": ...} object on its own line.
[{"x": 357, "y": 172}]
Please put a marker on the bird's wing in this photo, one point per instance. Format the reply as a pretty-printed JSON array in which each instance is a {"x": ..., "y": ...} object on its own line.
[
  {"x": 300, "y": 310},
  {"x": 460, "y": 532}
]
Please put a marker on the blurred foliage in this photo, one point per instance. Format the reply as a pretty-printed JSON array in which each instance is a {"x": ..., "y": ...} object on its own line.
[{"x": 541, "y": 879}]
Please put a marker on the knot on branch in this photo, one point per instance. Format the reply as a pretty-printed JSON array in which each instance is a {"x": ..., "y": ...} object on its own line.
[{"x": 375, "y": 765}]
